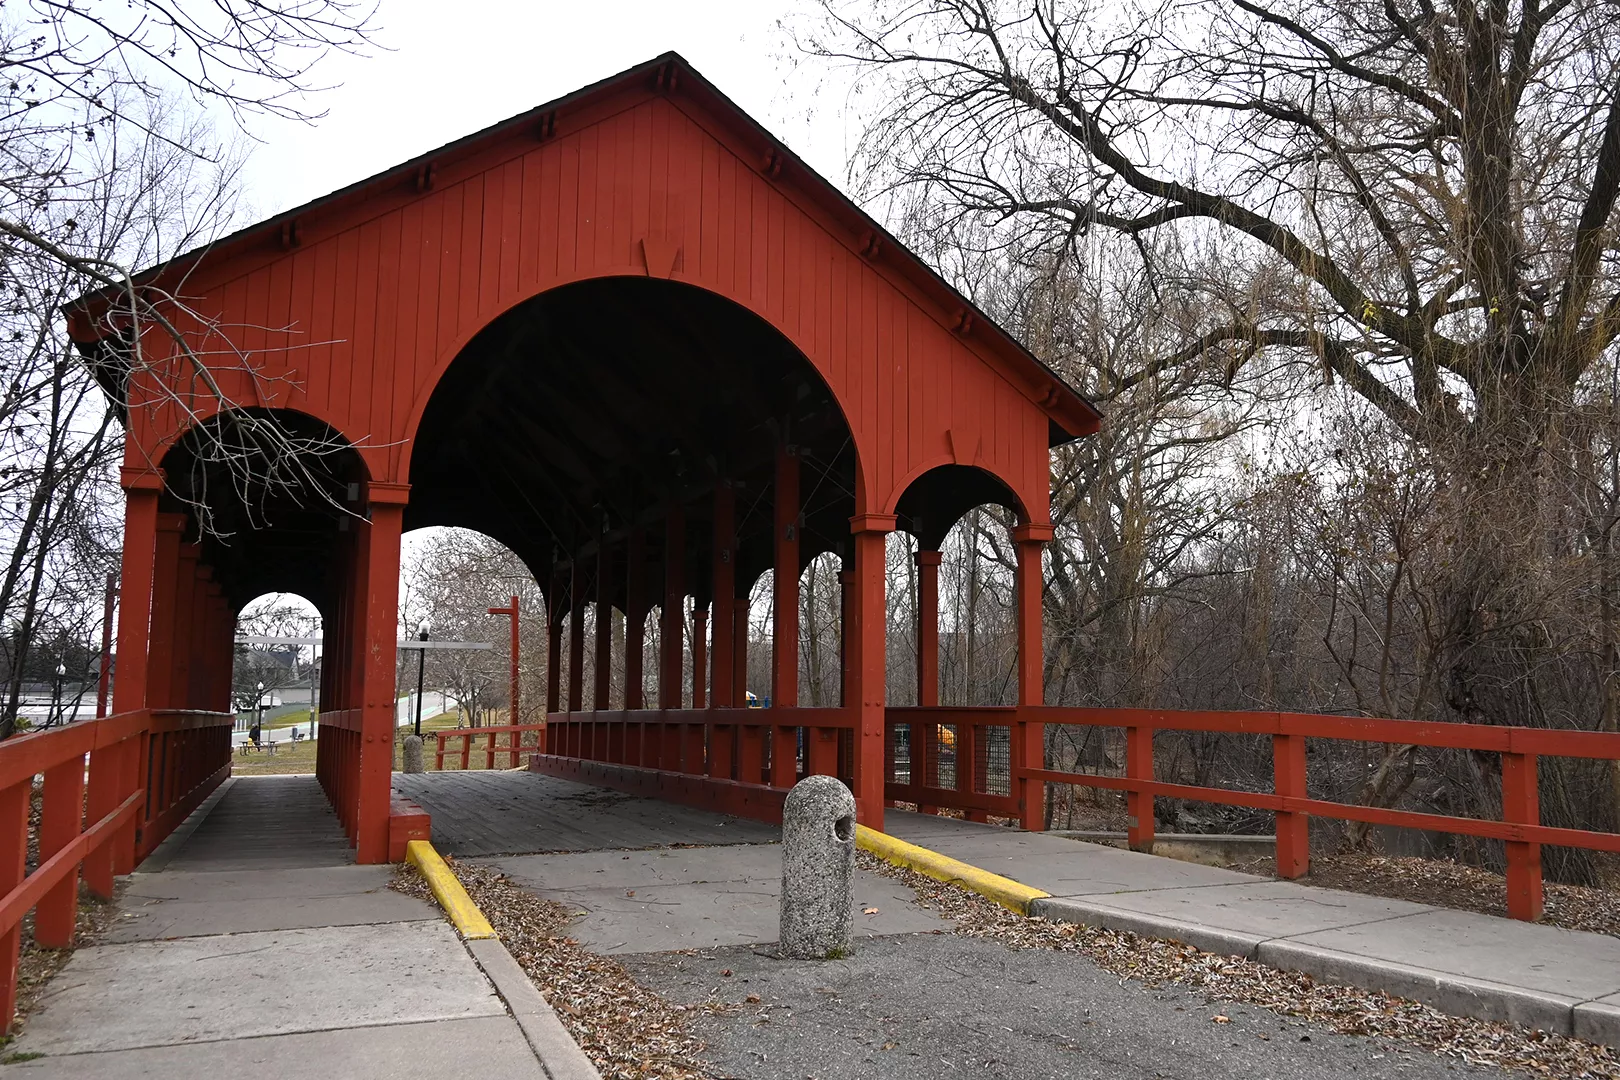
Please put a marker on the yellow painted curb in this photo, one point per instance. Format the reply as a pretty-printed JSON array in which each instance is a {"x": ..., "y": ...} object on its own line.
[
  {"x": 1010, "y": 894},
  {"x": 448, "y": 891}
]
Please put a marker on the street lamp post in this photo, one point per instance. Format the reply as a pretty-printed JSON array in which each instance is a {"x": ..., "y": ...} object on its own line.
[
  {"x": 421, "y": 656},
  {"x": 56, "y": 695},
  {"x": 258, "y": 709},
  {"x": 512, "y": 611}
]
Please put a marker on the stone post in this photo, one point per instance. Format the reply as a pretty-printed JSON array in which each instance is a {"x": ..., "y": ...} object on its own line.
[
  {"x": 818, "y": 866},
  {"x": 413, "y": 754}
]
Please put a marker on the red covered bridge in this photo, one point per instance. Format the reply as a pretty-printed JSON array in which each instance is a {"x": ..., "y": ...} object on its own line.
[{"x": 633, "y": 338}]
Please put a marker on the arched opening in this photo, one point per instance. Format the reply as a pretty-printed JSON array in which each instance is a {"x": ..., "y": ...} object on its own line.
[
  {"x": 268, "y": 495},
  {"x": 450, "y": 580},
  {"x": 275, "y": 684},
  {"x": 961, "y": 568},
  {"x": 649, "y": 448}
]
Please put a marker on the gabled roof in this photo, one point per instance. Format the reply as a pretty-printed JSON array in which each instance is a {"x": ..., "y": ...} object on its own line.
[{"x": 1070, "y": 414}]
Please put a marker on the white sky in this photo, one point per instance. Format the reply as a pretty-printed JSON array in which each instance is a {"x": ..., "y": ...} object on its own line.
[{"x": 446, "y": 77}]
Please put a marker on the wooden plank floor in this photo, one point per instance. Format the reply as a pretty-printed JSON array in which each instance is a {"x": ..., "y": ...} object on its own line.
[
  {"x": 267, "y": 822},
  {"x": 516, "y": 813}
]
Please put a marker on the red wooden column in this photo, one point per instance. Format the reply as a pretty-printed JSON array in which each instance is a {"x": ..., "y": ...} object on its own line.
[
  {"x": 694, "y": 753},
  {"x": 865, "y": 661},
  {"x": 700, "y": 655},
  {"x": 672, "y": 628},
  {"x": 750, "y": 737},
  {"x": 554, "y": 618},
  {"x": 576, "y": 635},
  {"x": 725, "y": 596},
  {"x": 672, "y": 636},
  {"x": 186, "y": 627},
  {"x": 114, "y": 770},
  {"x": 923, "y": 734},
  {"x": 165, "y": 589},
  {"x": 1028, "y": 736},
  {"x": 604, "y": 625},
  {"x": 785, "y": 616},
  {"x": 635, "y": 641},
  {"x": 723, "y": 578},
  {"x": 377, "y": 637}
]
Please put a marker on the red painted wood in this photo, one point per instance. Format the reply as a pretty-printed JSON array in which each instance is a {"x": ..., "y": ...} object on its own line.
[
  {"x": 576, "y": 635},
  {"x": 724, "y": 577}
]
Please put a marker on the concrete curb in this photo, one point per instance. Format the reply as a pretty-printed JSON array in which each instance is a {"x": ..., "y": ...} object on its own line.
[
  {"x": 1456, "y": 995},
  {"x": 558, "y": 1053},
  {"x": 1010, "y": 894},
  {"x": 447, "y": 890},
  {"x": 1090, "y": 913}
]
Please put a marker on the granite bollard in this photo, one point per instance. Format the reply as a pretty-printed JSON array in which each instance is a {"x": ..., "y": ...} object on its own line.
[
  {"x": 412, "y": 756},
  {"x": 818, "y": 867}
]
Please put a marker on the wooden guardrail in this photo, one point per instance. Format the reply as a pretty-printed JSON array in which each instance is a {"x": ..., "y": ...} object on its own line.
[
  {"x": 112, "y": 790},
  {"x": 513, "y": 748}
]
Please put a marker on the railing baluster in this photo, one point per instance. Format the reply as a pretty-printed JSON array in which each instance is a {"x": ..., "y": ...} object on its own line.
[
  {"x": 61, "y": 822},
  {"x": 1521, "y": 806},
  {"x": 13, "y": 823},
  {"x": 1139, "y": 804},
  {"x": 1293, "y": 829}
]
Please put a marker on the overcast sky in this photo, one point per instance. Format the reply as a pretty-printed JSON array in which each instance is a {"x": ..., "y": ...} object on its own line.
[{"x": 445, "y": 70}]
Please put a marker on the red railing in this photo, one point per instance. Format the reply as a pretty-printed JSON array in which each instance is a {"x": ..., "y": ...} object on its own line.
[
  {"x": 989, "y": 761},
  {"x": 513, "y": 748},
  {"x": 146, "y": 772},
  {"x": 1519, "y": 829}
]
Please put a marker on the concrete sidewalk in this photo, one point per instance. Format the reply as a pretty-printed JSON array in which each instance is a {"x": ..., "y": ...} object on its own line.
[
  {"x": 253, "y": 947},
  {"x": 1563, "y": 981}
]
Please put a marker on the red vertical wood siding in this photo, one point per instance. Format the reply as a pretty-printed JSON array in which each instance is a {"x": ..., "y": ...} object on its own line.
[{"x": 377, "y": 302}]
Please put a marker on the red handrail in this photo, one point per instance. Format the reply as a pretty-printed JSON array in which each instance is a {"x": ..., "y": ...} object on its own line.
[
  {"x": 146, "y": 771},
  {"x": 513, "y": 749}
]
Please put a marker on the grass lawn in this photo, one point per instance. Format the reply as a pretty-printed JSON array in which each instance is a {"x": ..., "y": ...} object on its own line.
[{"x": 300, "y": 757}]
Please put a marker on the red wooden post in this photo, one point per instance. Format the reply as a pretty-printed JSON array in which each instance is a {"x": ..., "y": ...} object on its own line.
[
  {"x": 61, "y": 822},
  {"x": 700, "y": 656},
  {"x": 165, "y": 588},
  {"x": 1521, "y": 806},
  {"x": 635, "y": 631},
  {"x": 1028, "y": 734},
  {"x": 1139, "y": 805},
  {"x": 739, "y": 645},
  {"x": 576, "y": 635},
  {"x": 672, "y": 619},
  {"x": 968, "y": 765},
  {"x": 111, "y": 768},
  {"x": 785, "y": 615},
  {"x": 438, "y": 755},
  {"x": 604, "y": 625},
  {"x": 697, "y": 735},
  {"x": 489, "y": 753},
  {"x": 866, "y": 663},
  {"x": 185, "y": 627},
  {"x": 466, "y": 750},
  {"x": 13, "y": 853},
  {"x": 104, "y": 682},
  {"x": 724, "y": 587},
  {"x": 922, "y": 733},
  {"x": 374, "y": 768},
  {"x": 554, "y": 618},
  {"x": 516, "y": 708},
  {"x": 1293, "y": 829}
]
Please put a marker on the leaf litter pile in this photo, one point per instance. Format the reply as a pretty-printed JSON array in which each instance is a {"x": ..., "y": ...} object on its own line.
[
  {"x": 627, "y": 1031},
  {"x": 630, "y": 1032},
  {"x": 1342, "y": 1009}
]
